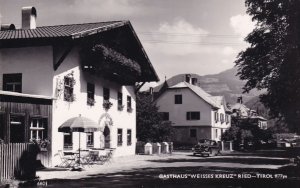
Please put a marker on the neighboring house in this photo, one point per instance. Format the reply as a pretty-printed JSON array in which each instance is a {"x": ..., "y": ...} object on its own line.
[
  {"x": 50, "y": 74},
  {"x": 194, "y": 113},
  {"x": 246, "y": 117}
]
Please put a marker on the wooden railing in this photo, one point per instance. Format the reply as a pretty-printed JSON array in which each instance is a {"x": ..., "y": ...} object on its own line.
[{"x": 17, "y": 160}]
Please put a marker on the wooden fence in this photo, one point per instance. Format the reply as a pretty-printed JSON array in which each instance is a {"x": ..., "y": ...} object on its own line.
[{"x": 17, "y": 160}]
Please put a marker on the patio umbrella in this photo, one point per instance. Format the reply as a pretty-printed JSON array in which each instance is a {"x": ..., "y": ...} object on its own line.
[{"x": 79, "y": 124}]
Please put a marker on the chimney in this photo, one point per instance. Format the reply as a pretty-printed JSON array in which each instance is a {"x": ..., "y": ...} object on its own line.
[
  {"x": 240, "y": 100},
  {"x": 194, "y": 81},
  {"x": 151, "y": 90},
  {"x": 28, "y": 18},
  {"x": 5, "y": 27},
  {"x": 188, "y": 78}
]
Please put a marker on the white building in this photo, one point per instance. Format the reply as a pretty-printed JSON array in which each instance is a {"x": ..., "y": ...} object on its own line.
[
  {"x": 53, "y": 73},
  {"x": 246, "y": 117},
  {"x": 194, "y": 113}
]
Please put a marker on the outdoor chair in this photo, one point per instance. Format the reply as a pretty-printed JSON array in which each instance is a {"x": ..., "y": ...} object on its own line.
[
  {"x": 85, "y": 158},
  {"x": 109, "y": 156},
  {"x": 66, "y": 161}
]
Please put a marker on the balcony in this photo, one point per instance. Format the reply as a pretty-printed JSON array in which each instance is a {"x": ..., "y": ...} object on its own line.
[{"x": 110, "y": 64}]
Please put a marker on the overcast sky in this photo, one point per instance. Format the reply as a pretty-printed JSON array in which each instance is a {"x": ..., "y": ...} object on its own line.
[{"x": 179, "y": 36}]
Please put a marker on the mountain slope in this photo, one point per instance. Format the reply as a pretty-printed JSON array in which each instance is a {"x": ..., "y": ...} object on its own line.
[{"x": 225, "y": 83}]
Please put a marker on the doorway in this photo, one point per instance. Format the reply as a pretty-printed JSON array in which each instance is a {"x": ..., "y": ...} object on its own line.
[{"x": 106, "y": 134}]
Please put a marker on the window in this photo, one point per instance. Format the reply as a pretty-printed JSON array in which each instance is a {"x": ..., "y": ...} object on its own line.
[
  {"x": 90, "y": 94},
  {"x": 17, "y": 129},
  {"x": 129, "y": 108},
  {"x": 178, "y": 99},
  {"x": 120, "y": 137},
  {"x": 12, "y": 82},
  {"x": 120, "y": 101},
  {"x": 193, "y": 133},
  {"x": 193, "y": 116},
  {"x": 90, "y": 140},
  {"x": 216, "y": 133},
  {"x": 68, "y": 88},
  {"x": 222, "y": 118},
  {"x": 38, "y": 128},
  {"x": 129, "y": 137},
  {"x": 68, "y": 141},
  {"x": 216, "y": 117},
  {"x": 227, "y": 118},
  {"x": 106, "y": 94},
  {"x": 165, "y": 116}
]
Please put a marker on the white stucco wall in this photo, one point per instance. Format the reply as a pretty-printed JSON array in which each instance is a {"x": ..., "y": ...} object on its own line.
[
  {"x": 35, "y": 64},
  {"x": 190, "y": 102},
  {"x": 219, "y": 127},
  {"x": 39, "y": 78},
  {"x": 63, "y": 110}
]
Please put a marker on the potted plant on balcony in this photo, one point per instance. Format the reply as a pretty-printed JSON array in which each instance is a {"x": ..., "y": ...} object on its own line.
[
  {"x": 91, "y": 101},
  {"x": 129, "y": 109},
  {"x": 107, "y": 104},
  {"x": 120, "y": 107}
]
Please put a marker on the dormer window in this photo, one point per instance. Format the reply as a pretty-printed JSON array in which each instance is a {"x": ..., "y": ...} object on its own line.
[{"x": 12, "y": 82}]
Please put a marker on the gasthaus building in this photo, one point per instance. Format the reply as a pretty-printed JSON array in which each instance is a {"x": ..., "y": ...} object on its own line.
[{"x": 50, "y": 74}]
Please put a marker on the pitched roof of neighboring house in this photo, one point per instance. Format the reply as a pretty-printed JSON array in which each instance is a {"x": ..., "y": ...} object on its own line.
[
  {"x": 59, "y": 31},
  {"x": 259, "y": 118},
  {"x": 220, "y": 100},
  {"x": 198, "y": 91},
  {"x": 239, "y": 106}
]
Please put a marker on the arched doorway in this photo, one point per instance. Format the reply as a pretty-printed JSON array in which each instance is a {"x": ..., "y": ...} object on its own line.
[
  {"x": 106, "y": 123},
  {"x": 106, "y": 134}
]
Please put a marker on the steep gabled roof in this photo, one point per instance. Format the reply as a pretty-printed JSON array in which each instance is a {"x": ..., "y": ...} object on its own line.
[
  {"x": 220, "y": 100},
  {"x": 198, "y": 91},
  {"x": 60, "y": 31},
  {"x": 60, "y": 35}
]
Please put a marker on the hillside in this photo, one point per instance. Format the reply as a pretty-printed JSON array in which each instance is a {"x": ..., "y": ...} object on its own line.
[{"x": 225, "y": 83}]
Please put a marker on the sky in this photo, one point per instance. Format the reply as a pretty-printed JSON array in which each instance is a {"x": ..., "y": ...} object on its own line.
[{"x": 179, "y": 36}]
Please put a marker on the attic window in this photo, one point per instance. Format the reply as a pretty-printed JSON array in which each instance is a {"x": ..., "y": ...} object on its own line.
[{"x": 178, "y": 99}]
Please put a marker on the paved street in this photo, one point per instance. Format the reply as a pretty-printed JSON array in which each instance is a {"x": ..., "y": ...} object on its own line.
[{"x": 247, "y": 169}]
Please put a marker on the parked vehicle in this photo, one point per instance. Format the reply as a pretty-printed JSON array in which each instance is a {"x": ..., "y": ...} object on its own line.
[{"x": 206, "y": 147}]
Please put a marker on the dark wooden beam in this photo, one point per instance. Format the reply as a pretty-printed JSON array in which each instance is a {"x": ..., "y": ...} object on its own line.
[
  {"x": 139, "y": 86},
  {"x": 65, "y": 53}
]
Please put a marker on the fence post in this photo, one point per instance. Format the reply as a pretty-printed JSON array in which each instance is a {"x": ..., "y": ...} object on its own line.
[
  {"x": 222, "y": 145},
  {"x": 230, "y": 146}
]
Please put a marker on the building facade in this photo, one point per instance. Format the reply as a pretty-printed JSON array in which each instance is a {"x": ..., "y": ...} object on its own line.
[
  {"x": 194, "y": 113},
  {"x": 246, "y": 118},
  {"x": 53, "y": 73}
]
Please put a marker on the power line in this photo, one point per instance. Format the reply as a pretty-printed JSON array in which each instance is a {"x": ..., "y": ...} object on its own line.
[
  {"x": 190, "y": 34},
  {"x": 192, "y": 43}
]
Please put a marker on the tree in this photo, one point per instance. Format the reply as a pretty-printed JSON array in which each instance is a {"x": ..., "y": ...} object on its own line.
[
  {"x": 272, "y": 61},
  {"x": 150, "y": 124}
]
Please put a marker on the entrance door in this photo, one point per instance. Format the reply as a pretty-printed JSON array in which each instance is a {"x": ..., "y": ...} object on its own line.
[
  {"x": 17, "y": 129},
  {"x": 106, "y": 134}
]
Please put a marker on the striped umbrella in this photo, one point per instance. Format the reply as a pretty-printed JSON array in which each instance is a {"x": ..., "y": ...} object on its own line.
[{"x": 79, "y": 124}]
